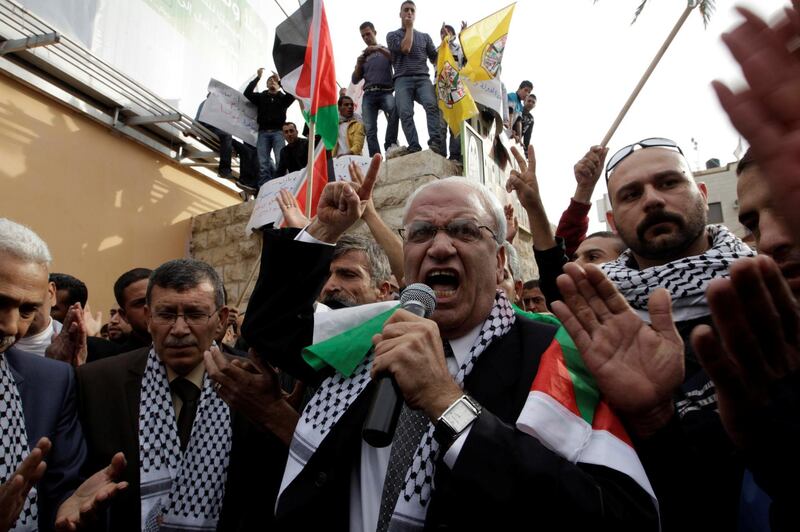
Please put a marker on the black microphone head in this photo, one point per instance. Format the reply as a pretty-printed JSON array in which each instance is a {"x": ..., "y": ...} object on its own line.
[{"x": 421, "y": 293}]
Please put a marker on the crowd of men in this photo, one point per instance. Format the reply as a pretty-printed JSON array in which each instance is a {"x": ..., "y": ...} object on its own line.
[
  {"x": 193, "y": 416},
  {"x": 394, "y": 77}
]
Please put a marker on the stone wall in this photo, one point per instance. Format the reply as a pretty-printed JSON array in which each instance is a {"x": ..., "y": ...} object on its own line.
[{"x": 219, "y": 237}]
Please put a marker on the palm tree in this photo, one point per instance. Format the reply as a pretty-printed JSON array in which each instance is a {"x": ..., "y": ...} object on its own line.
[{"x": 706, "y": 9}]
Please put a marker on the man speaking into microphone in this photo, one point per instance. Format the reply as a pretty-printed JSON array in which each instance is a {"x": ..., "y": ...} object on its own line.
[{"x": 457, "y": 459}]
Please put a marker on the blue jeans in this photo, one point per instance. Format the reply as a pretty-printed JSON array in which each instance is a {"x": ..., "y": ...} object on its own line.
[
  {"x": 407, "y": 90},
  {"x": 268, "y": 141},
  {"x": 371, "y": 104}
]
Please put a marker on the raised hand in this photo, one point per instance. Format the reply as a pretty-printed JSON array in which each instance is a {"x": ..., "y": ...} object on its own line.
[
  {"x": 259, "y": 72},
  {"x": 757, "y": 345},
  {"x": 767, "y": 113},
  {"x": 512, "y": 224},
  {"x": 342, "y": 204},
  {"x": 636, "y": 366},
  {"x": 588, "y": 171},
  {"x": 93, "y": 323},
  {"x": 70, "y": 344},
  {"x": 14, "y": 491},
  {"x": 357, "y": 178},
  {"x": 523, "y": 181},
  {"x": 292, "y": 215},
  {"x": 82, "y": 506}
]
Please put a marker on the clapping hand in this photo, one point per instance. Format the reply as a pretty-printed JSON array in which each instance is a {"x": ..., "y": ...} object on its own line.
[{"x": 636, "y": 366}]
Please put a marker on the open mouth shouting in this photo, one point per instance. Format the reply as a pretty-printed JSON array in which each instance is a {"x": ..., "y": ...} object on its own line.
[{"x": 444, "y": 282}]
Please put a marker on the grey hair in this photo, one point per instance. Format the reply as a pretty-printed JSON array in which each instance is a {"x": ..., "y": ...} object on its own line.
[
  {"x": 512, "y": 259},
  {"x": 20, "y": 241},
  {"x": 377, "y": 260},
  {"x": 487, "y": 198}
]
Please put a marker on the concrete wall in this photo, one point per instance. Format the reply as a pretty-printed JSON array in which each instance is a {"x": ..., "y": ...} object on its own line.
[
  {"x": 219, "y": 237},
  {"x": 104, "y": 204}
]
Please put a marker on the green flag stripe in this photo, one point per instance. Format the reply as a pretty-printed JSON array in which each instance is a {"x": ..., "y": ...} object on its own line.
[
  {"x": 327, "y": 125},
  {"x": 583, "y": 384},
  {"x": 345, "y": 351}
]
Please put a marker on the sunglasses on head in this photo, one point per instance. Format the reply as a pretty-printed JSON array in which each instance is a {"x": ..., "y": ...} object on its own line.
[{"x": 652, "y": 142}]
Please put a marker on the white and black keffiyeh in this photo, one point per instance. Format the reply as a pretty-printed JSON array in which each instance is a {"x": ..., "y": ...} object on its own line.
[
  {"x": 686, "y": 279},
  {"x": 181, "y": 491},
  {"x": 337, "y": 393},
  {"x": 14, "y": 440}
]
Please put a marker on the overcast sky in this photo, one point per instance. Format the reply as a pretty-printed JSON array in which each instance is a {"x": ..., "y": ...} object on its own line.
[{"x": 584, "y": 59}]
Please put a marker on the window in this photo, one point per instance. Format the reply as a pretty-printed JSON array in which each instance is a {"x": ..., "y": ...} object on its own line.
[{"x": 715, "y": 213}]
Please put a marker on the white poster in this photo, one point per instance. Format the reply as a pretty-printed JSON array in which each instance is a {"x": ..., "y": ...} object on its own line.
[
  {"x": 341, "y": 166},
  {"x": 229, "y": 110},
  {"x": 266, "y": 209},
  {"x": 489, "y": 93}
]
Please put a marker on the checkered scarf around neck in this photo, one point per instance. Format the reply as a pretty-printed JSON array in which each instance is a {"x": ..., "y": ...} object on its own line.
[
  {"x": 335, "y": 395},
  {"x": 686, "y": 279},
  {"x": 181, "y": 491},
  {"x": 14, "y": 447}
]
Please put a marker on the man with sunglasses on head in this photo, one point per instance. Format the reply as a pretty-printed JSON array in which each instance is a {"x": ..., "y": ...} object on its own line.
[
  {"x": 192, "y": 462},
  {"x": 653, "y": 377},
  {"x": 474, "y": 359}
]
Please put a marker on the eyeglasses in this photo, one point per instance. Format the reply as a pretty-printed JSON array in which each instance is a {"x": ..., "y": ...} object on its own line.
[
  {"x": 192, "y": 319},
  {"x": 463, "y": 230},
  {"x": 653, "y": 142}
]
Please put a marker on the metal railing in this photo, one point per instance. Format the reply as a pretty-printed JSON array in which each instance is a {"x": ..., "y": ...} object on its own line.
[{"x": 34, "y": 53}]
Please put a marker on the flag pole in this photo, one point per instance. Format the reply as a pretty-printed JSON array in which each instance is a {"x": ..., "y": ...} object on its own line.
[
  {"x": 310, "y": 167},
  {"x": 613, "y": 129}
]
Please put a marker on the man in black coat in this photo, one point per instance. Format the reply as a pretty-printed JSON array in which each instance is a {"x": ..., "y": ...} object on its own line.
[{"x": 486, "y": 474}]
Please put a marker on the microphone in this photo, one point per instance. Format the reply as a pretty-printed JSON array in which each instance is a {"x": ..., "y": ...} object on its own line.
[{"x": 378, "y": 430}]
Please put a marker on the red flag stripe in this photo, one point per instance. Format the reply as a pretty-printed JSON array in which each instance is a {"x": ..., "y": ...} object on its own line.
[
  {"x": 606, "y": 419},
  {"x": 320, "y": 180},
  {"x": 553, "y": 378}
]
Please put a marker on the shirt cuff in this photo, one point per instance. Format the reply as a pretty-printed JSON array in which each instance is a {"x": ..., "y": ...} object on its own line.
[
  {"x": 452, "y": 453},
  {"x": 304, "y": 236}
]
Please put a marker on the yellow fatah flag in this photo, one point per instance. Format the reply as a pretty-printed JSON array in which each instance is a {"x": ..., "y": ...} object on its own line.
[
  {"x": 483, "y": 44},
  {"x": 455, "y": 101}
]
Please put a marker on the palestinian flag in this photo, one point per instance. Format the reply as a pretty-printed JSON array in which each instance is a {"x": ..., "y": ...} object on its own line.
[
  {"x": 564, "y": 410},
  {"x": 303, "y": 56},
  {"x": 320, "y": 177}
]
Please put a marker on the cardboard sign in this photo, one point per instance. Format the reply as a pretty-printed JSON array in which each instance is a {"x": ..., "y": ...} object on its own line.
[
  {"x": 266, "y": 209},
  {"x": 229, "y": 110}
]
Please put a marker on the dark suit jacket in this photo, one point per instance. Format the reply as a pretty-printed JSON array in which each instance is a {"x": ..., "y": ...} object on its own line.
[
  {"x": 502, "y": 477},
  {"x": 47, "y": 391},
  {"x": 109, "y": 392}
]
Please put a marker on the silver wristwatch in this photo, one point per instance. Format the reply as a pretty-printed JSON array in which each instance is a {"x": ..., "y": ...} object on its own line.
[{"x": 455, "y": 420}]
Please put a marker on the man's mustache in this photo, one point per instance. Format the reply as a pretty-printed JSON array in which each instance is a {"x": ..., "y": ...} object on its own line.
[
  {"x": 657, "y": 217},
  {"x": 180, "y": 342}
]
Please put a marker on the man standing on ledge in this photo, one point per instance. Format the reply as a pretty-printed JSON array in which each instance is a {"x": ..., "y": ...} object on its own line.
[
  {"x": 272, "y": 105},
  {"x": 409, "y": 49}
]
